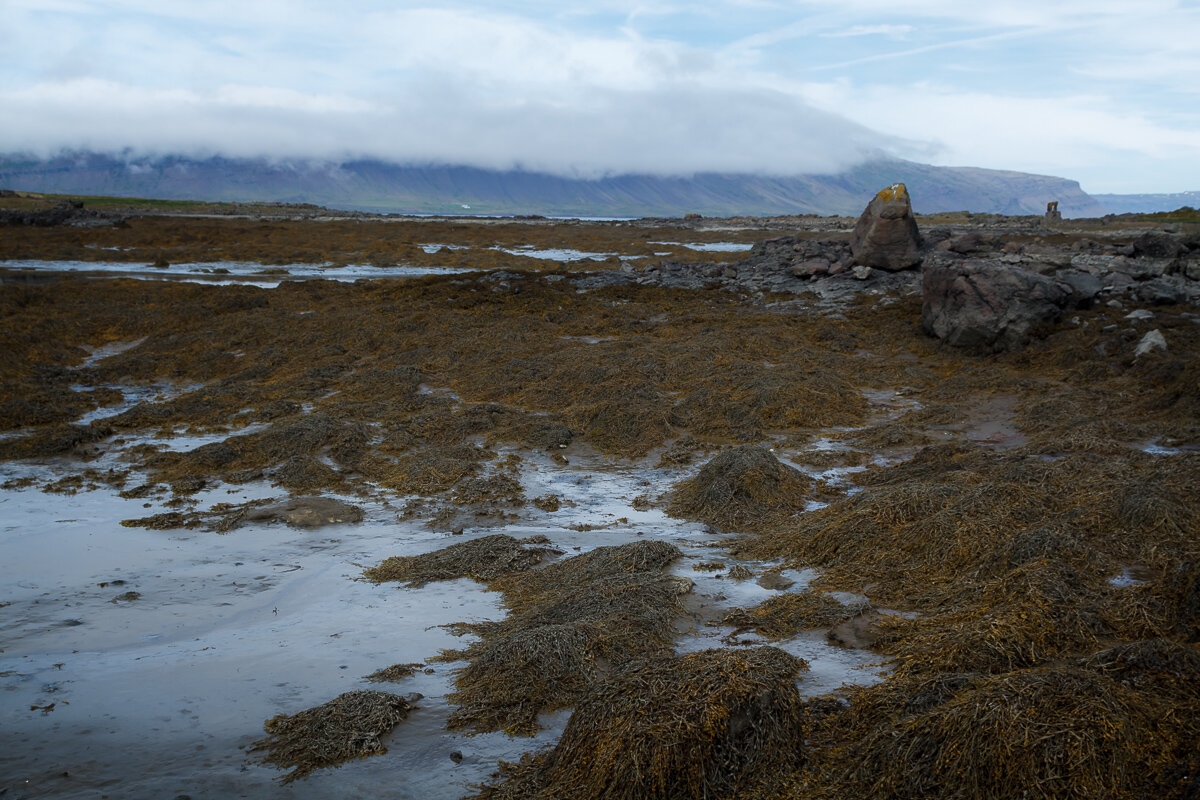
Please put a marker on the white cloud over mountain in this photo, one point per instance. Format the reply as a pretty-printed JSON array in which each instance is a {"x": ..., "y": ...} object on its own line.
[{"x": 1103, "y": 91}]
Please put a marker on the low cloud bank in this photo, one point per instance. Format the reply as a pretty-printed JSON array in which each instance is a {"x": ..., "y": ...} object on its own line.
[{"x": 590, "y": 133}]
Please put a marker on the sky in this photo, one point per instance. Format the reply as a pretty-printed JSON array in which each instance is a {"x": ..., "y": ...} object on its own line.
[{"x": 1106, "y": 92}]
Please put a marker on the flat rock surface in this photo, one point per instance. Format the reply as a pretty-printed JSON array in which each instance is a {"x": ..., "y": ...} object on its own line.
[{"x": 307, "y": 512}]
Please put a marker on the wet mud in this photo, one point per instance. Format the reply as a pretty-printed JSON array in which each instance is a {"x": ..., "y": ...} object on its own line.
[{"x": 579, "y": 515}]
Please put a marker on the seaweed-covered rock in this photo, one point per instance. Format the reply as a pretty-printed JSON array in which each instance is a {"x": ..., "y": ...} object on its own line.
[
  {"x": 483, "y": 559},
  {"x": 1061, "y": 732},
  {"x": 985, "y": 305},
  {"x": 349, "y": 726},
  {"x": 886, "y": 235},
  {"x": 569, "y": 619},
  {"x": 54, "y": 441},
  {"x": 713, "y": 724},
  {"x": 742, "y": 487}
]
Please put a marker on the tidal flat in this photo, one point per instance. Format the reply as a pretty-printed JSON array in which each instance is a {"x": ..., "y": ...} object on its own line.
[{"x": 354, "y": 506}]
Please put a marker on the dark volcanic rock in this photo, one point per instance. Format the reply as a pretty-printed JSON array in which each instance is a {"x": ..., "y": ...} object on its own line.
[
  {"x": 1084, "y": 287},
  {"x": 64, "y": 212},
  {"x": 1158, "y": 245},
  {"x": 886, "y": 235},
  {"x": 986, "y": 305},
  {"x": 1164, "y": 291}
]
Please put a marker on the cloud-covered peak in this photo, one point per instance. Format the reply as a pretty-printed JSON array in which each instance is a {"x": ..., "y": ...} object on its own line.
[{"x": 1073, "y": 88}]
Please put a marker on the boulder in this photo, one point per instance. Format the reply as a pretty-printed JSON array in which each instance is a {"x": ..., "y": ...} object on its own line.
[
  {"x": 1084, "y": 287},
  {"x": 886, "y": 236},
  {"x": 1158, "y": 245},
  {"x": 985, "y": 305},
  {"x": 1165, "y": 291},
  {"x": 970, "y": 242}
]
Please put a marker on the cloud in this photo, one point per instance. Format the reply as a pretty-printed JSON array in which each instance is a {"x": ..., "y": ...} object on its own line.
[
  {"x": 665, "y": 130},
  {"x": 1079, "y": 135},
  {"x": 769, "y": 86},
  {"x": 895, "y": 31},
  {"x": 419, "y": 85}
]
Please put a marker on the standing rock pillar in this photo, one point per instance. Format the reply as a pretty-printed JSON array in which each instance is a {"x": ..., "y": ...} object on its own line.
[{"x": 886, "y": 236}]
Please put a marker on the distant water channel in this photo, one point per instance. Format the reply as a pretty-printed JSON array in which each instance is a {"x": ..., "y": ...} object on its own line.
[{"x": 219, "y": 273}]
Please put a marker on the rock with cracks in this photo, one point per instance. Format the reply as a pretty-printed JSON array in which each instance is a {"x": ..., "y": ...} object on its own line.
[
  {"x": 984, "y": 305},
  {"x": 886, "y": 236}
]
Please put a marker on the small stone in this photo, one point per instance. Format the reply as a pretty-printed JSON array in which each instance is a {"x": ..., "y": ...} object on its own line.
[
  {"x": 815, "y": 266},
  {"x": 739, "y": 573},
  {"x": 307, "y": 512},
  {"x": 1150, "y": 342},
  {"x": 861, "y": 273},
  {"x": 456, "y": 756},
  {"x": 775, "y": 582},
  {"x": 1140, "y": 314}
]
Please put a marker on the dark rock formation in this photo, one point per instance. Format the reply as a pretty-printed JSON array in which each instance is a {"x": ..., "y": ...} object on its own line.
[
  {"x": 1084, "y": 287},
  {"x": 1164, "y": 291},
  {"x": 1158, "y": 245},
  {"x": 985, "y": 305},
  {"x": 64, "y": 212},
  {"x": 886, "y": 235}
]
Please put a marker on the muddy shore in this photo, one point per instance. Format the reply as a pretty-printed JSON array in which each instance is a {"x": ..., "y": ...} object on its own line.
[{"x": 599, "y": 486}]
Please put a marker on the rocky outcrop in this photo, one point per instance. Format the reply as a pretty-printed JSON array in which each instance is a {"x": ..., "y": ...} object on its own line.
[
  {"x": 64, "y": 212},
  {"x": 1153, "y": 244},
  {"x": 886, "y": 236},
  {"x": 985, "y": 305}
]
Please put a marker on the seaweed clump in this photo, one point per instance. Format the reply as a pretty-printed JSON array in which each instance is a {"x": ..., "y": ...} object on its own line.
[
  {"x": 713, "y": 724},
  {"x": 349, "y": 726},
  {"x": 1121, "y": 723},
  {"x": 743, "y": 488},
  {"x": 570, "y": 623},
  {"x": 785, "y": 615},
  {"x": 483, "y": 559},
  {"x": 1006, "y": 555}
]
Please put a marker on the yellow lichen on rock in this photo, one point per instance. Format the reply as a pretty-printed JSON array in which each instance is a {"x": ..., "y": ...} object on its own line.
[{"x": 897, "y": 192}]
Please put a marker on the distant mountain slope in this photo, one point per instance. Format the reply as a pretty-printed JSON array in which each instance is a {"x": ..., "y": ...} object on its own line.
[
  {"x": 1147, "y": 203},
  {"x": 379, "y": 186}
]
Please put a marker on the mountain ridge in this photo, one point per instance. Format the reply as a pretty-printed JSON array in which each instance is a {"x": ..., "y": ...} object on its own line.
[
  {"x": 437, "y": 189},
  {"x": 1147, "y": 203}
]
